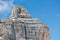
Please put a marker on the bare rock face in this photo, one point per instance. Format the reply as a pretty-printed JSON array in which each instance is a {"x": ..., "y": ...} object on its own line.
[
  {"x": 21, "y": 26},
  {"x": 7, "y": 30}
]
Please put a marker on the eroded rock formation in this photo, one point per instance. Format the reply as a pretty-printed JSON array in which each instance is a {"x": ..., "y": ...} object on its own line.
[{"x": 21, "y": 26}]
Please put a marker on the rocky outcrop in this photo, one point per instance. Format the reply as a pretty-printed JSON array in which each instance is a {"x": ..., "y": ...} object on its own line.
[
  {"x": 21, "y": 26},
  {"x": 7, "y": 30}
]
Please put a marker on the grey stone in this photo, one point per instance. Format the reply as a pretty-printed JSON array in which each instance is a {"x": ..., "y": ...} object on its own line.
[{"x": 21, "y": 26}]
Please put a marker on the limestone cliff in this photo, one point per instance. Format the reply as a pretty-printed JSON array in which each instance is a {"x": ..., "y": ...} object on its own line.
[{"x": 21, "y": 26}]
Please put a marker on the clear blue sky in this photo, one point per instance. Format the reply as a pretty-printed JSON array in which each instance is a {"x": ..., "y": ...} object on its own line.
[{"x": 47, "y": 11}]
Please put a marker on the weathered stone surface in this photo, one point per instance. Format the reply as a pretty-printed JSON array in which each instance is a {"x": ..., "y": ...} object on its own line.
[
  {"x": 21, "y": 26},
  {"x": 6, "y": 30}
]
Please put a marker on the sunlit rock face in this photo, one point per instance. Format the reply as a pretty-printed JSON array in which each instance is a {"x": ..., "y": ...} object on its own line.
[{"x": 21, "y": 26}]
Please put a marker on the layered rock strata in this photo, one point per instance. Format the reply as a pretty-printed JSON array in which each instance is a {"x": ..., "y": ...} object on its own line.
[{"x": 21, "y": 26}]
